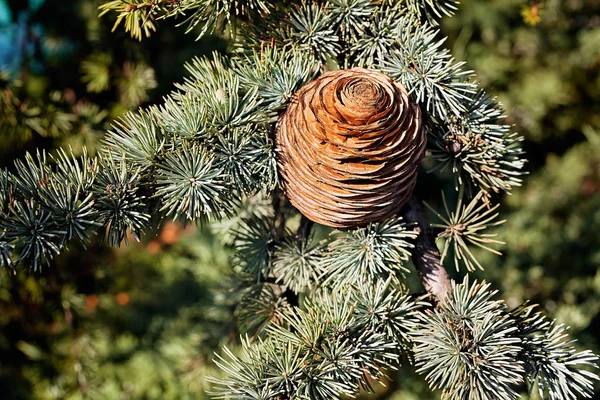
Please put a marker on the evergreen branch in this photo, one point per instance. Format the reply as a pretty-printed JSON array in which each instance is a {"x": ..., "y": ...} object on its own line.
[
  {"x": 296, "y": 263},
  {"x": 96, "y": 72},
  {"x": 373, "y": 253},
  {"x": 42, "y": 209},
  {"x": 73, "y": 213},
  {"x": 378, "y": 35},
  {"x": 6, "y": 249},
  {"x": 271, "y": 31},
  {"x": 330, "y": 348},
  {"x": 211, "y": 142},
  {"x": 137, "y": 80},
  {"x": 425, "y": 255},
  {"x": 254, "y": 246},
  {"x": 31, "y": 229},
  {"x": 383, "y": 308},
  {"x": 246, "y": 374},
  {"x": 22, "y": 116},
  {"x": 477, "y": 148},
  {"x": 296, "y": 260},
  {"x": 428, "y": 71},
  {"x": 79, "y": 172},
  {"x": 182, "y": 117},
  {"x": 213, "y": 15},
  {"x": 120, "y": 207},
  {"x": 225, "y": 102},
  {"x": 463, "y": 227},
  {"x": 349, "y": 16},
  {"x": 136, "y": 137},
  {"x": 5, "y": 190},
  {"x": 258, "y": 206},
  {"x": 310, "y": 29},
  {"x": 551, "y": 362},
  {"x": 473, "y": 347},
  {"x": 156, "y": 162},
  {"x": 246, "y": 156},
  {"x": 432, "y": 9},
  {"x": 277, "y": 72},
  {"x": 260, "y": 306},
  {"x": 139, "y": 16},
  {"x": 467, "y": 346},
  {"x": 188, "y": 184},
  {"x": 31, "y": 176}
]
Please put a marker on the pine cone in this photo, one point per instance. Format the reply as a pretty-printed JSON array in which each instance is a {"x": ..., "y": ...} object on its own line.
[{"x": 349, "y": 148}]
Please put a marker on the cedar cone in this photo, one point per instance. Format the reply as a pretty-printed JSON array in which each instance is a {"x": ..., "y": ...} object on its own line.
[{"x": 349, "y": 148}]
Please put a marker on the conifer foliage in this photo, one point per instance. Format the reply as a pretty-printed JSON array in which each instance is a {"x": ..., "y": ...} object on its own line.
[{"x": 326, "y": 316}]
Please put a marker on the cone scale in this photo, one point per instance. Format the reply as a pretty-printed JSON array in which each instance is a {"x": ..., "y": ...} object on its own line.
[{"x": 349, "y": 148}]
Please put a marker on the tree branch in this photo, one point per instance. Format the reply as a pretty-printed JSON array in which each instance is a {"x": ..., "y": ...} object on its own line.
[
  {"x": 279, "y": 203},
  {"x": 306, "y": 225},
  {"x": 425, "y": 255}
]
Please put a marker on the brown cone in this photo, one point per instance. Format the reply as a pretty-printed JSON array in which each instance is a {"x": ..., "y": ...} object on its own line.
[{"x": 349, "y": 148}]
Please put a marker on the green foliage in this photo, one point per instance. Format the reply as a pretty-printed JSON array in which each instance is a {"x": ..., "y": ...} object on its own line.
[
  {"x": 246, "y": 157},
  {"x": 133, "y": 81},
  {"x": 368, "y": 254},
  {"x": 468, "y": 347},
  {"x": 22, "y": 117},
  {"x": 277, "y": 73},
  {"x": 190, "y": 186},
  {"x": 383, "y": 308},
  {"x": 551, "y": 363},
  {"x": 349, "y": 16},
  {"x": 546, "y": 76},
  {"x": 310, "y": 29},
  {"x": 433, "y": 9},
  {"x": 254, "y": 243},
  {"x": 326, "y": 317},
  {"x": 96, "y": 72},
  {"x": 462, "y": 227},
  {"x": 120, "y": 206},
  {"x": 141, "y": 148},
  {"x": 478, "y": 149},
  {"x": 296, "y": 263},
  {"x": 44, "y": 211},
  {"x": 136, "y": 82},
  {"x": 428, "y": 71},
  {"x": 372, "y": 44},
  {"x": 334, "y": 346},
  {"x": 225, "y": 102},
  {"x": 471, "y": 346},
  {"x": 550, "y": 256},
  {"x": 257, "y": 206},
  {"x": 42, "y": 100},
  {"x": 229, "y": 150},
  {"x": 139, "y": 16},
  {"x": 5, "y": 252},
  {"x": 74, "y": 213},
  {"x": 146, "y": 331},
  {"x": 32, "y": 230},
  {"x": 260, "y": 305}
]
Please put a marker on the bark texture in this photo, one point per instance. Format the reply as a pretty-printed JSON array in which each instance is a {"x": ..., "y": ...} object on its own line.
[
  {"x": 349, "y": 148},
  {"x": 425, "y": 255}
]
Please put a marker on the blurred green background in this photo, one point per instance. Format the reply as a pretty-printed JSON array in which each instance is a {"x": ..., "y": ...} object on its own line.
[{"x": 143, "y": 322}]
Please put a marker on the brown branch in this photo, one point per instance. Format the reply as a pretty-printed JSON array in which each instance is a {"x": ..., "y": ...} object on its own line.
[
  {"x": 279, "y": 205},
  {"x": 306, "y": 225},
  {"x": 426, "y": 255}
]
